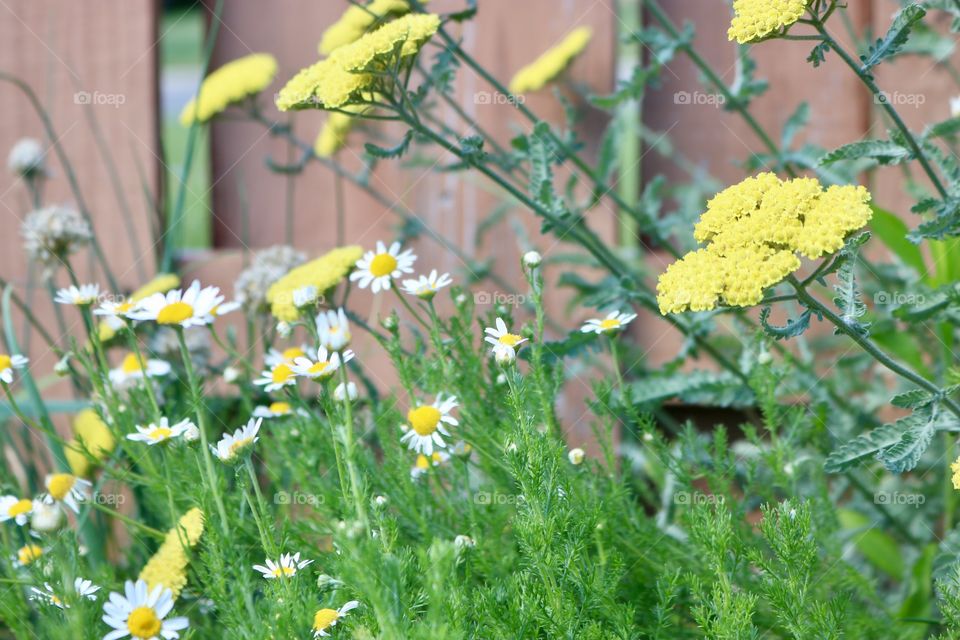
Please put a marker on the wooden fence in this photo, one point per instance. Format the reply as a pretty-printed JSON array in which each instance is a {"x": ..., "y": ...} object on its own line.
[{"x": 95, "y": 65}]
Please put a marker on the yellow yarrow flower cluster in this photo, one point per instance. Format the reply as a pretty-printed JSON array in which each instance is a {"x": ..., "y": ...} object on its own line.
[
  {"x": 92, "y": 436},
  {"x": 355, "y": 22},
  {"x": 231, "y": 83},
  {"x": 551, "y": 63},
  {"x": 168, "y": 566},
  {"x": 753, "y": 232},
  {"x": 955, "y": 467},
  {"x": 336, "y": 81},
  {"x": 324, "y": 273},
  {"x": 333, "y": 136},
  {"x": 756, "y": 19}
]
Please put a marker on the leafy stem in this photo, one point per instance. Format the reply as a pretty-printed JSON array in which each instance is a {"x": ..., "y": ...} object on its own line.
[
  {"x": 869, "y": 82},
  {"x": 870, "y": 347}
]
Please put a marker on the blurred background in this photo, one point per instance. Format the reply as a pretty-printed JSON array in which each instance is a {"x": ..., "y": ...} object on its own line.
[{"x": 113, "y": 78}]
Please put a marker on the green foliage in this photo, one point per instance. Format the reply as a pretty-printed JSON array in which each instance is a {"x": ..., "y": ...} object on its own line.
[{"x": 895, "y": 38}]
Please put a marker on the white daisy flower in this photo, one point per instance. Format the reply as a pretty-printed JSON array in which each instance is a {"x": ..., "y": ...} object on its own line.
[
  {"x": 305, "y": 296},
  {"x": 286, "y": 567},
  {"x": 83, "y": 588},
  {"x": 277, "y": 410},
  {"x": 503, "y": 341},
  {"x": 325, "y": 366},
  {"x": 613, "y": 323},
  {"x": 426, "y": 287},
  {"x": 66, "y": 489},
  {"x": 287, "y": 356},
  {"x": 115, "y": 312},
  {"x": 333, "y": 329},
  {"x": 16, "y": 509},
  {"x": 190, "y": 308},
  {"x": 277, "y": 377},
  {"x": 157, "y": 433},
  {"x": 82, "y": 296},
  {"x": 142, "y": 614},
  {"x": 324, "y": 619},
  {"x": 233, "y": 444},
  {"x": 8, "y": 364},
  {"x": 426, "y": 424},
  {"x": 376, "y": 268},
  {"x": 130, "y": 371}
]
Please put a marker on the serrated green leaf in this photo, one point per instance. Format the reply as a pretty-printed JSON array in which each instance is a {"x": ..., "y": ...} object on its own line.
[
  {"x": 917, "y": 431},
  {"x": 895, "y": 38},
  {"x": 913, "y": 399},
  {"x": 688, "y": 385},
  {"x": 865, "y": 444},
  {"x": 884, "y": 152},
  {"x": 390, "y": 152},
  {"x": 794, "y": 327}
]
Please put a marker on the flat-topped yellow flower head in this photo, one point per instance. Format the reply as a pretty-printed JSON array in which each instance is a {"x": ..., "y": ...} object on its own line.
[
  {"x": 551, "y": 62},
  {"x": 323, "y": 273},
  {"x": 753, "y": 232},
  {"x": 338, "y": 80},
  {"x": 756, "y": 19},
  {"x": 230, "y": 84},
  {"x": 356, "y": 21}
]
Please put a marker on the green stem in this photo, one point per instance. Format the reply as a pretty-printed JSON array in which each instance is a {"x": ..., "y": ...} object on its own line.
[
  {"x": 201, "y": 413},
  {"x": 350, "y": 446},
  {"x": 867, "y": 345},
  {"x": 868, "y": 81}
]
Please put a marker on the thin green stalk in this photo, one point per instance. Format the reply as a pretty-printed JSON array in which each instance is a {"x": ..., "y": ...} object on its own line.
[
  {"x": 202, "y": 427},
  {"x": 867, "y": 345},
  {"x": 349, "y": 446},
  {"x": 868, "y": 81}
]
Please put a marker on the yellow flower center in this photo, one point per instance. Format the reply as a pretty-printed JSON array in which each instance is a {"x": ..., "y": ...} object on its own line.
[
  {"x": 175, "y": 313},
  {"x": 281, "y": 373},
  {"x": 436, "y": 457},
  {"x": 59, "y": 485},
  {"x": 29, "y": 553},
  {"x": 383, "y": 264},
  {"x": 424, "y": 420},
  {"x": 324, "y": 618},
  {"x": 293, "y": 353},
  {"x": 422, "y": 462},
  {"x": 284, "y": 572},
  {"x": 20, "y": 507},
  {"x": 5, "y": 362},
  {"x": 318, "y": 368},
  {"x": 238, "y": 445},
  {"x": 160, "y": 433},
  {"x": 143, "y": 623},
  {"x": 131, "y": 364},
  {"x": 280, "y": 407},
  {"x": 609, "y": 324},
  {"x": 510, "y": 339}
]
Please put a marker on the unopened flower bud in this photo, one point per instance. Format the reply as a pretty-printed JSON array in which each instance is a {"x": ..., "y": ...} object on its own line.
[
  {"x": 576, "y": 456},
  {"x": 532, "y": 259}
]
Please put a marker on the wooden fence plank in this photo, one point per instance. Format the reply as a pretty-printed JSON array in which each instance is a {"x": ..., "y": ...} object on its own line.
[{"x": 93, "y": 59}]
